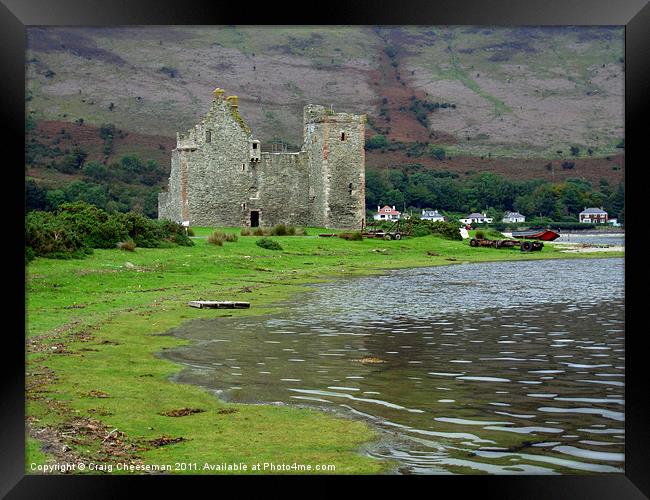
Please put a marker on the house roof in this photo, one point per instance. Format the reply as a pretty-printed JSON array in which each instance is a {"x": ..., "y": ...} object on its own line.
[
  {"x": 513, "y": 214},
  {"x": 476, "y": 216},
  {"x": 593, "y": 210},
  {"x": 388, "y": 210},
  {"x": 431, "y": 213}
]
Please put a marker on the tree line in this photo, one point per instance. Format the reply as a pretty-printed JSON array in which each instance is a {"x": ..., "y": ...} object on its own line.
[{"x": 491, "y": 193}]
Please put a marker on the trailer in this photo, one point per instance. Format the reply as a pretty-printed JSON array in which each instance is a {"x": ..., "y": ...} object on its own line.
[
  {"x": 524, "y": 246},
  {"x": 394, "y": 232}
]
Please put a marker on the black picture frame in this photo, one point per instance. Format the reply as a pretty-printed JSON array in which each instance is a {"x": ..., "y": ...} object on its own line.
[{"x": 15, "y": 15}]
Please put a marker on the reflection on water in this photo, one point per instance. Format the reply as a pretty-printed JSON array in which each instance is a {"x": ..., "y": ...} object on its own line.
[{"x": 499, "y": 368}]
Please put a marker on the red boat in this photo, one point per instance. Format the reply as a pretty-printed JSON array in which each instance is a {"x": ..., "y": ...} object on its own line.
[{"x": 537, "y": 234}]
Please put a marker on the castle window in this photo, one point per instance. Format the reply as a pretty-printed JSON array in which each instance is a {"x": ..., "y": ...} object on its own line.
[
  {"x": 243, "y": 167},
  {"x": 342, "y": 136},
  {"x": 254, "y": 145},
  {"x": 350, "y": 189},
  {"x": 208, "y": 136}
]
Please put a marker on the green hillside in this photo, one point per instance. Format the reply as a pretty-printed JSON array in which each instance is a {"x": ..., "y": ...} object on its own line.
[{"x": 516, "y": 91}]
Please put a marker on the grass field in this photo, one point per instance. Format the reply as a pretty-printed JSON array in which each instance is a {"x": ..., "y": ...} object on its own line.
[{"x": 97, "y": 392}]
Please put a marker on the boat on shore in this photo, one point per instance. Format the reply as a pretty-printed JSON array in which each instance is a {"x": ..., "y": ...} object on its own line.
[{"x": 537, "y": 234}]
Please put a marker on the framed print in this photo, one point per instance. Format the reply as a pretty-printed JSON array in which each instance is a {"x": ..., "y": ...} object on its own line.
[{"x": 382, "y": 240}]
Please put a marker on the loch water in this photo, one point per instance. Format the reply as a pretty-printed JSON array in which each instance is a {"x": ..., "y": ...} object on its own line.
[{"x": 501, "y": 368}]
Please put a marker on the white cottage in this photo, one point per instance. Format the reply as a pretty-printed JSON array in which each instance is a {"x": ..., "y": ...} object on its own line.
[
  {"x": 476, "y": 218},
  {"x": 386, "y": 213},
  {"x": 432, "y": 215},
  {"x": 511, "y": 217}
]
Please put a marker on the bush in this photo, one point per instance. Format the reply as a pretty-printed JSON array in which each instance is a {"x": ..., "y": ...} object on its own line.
[
  {"x": 190, "y": 232},
  {"x": 258, "y": 232},
  {"x": 377, "y": 141},
  {"x": 479, "y": 235},
  {"x": 76, "y": 228},
  {"x": 29, "y": 254},
  {"x": 447, "y": 230},
  {"x": 283, "y": 230},
  {"x": 127, "y": 245},
  {"x": 279, "y": 230},
  {"x": 268, "y": 243},
  {"x": 245, "y": 231},
  {"x": 216, "y": 238},
  {"x": 47, "y": 235},
  {"x": 356, "y": 236}
]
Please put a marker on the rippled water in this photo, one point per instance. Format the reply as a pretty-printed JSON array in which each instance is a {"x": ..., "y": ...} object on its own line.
[
  {"x": 613, "y": 239},
  {"x": 499, "y": 368}
]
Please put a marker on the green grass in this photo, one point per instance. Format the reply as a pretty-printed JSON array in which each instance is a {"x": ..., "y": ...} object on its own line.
[{"x": 124, "y": 301}]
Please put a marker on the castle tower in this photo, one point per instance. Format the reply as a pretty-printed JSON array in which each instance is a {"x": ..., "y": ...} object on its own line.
[
  {"x": 334, "y": 143},
  {"x": 220, "y": 177}
]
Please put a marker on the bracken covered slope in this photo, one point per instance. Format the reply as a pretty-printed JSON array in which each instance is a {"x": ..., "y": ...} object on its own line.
[{"x": 483, "y": 93}]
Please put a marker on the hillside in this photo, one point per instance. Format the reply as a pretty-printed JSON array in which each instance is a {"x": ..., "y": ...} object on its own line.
[{"x": 517, "y": 101}]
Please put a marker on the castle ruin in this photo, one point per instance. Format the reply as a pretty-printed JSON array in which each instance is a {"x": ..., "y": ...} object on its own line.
[{"x": 220, "y": 177}]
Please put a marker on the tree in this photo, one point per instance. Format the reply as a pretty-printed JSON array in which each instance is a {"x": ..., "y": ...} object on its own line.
[
  {"x": 437, "y": 152},
  {"x": 377, "y": 141},
  {"x": 394, "y": 197},
  {"x": 35, "y": 196},
  {"x": 617, "y": 201}
]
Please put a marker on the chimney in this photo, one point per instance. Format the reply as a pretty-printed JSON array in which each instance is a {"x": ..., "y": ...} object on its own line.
[
  {"x": 233, "y": 101},
  {"x": 378, "y": 208},
  {"x": 393, "y": 207},
  {"x": 218, "y": 93}
]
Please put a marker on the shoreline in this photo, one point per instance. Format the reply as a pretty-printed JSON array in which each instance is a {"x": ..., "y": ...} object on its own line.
[{"x": 127, "y": 336}]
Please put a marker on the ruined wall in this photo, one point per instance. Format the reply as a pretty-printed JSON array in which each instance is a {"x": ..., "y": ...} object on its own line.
[
  {"x": 219, "y": 176},
  {"x": 335, "y": 146},
  {"x": 169, "y": 203},
  {"x": 283, "y": 180}
]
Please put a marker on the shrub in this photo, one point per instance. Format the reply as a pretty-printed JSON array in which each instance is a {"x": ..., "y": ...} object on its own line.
[
  {"x": 268, "y": 243},
  {"x": 356, "y": 236},
  {"x": 232, "y": 237},
  {"x": 76, "y": 228},
  {"x": 437, "y": 152},
  {"x": 47, "y": 235},
  {"x": 258, "y": 232},
  {"x": 127, "y": 245},
  {"x": 175, "y": 233},
  {"x": 279, "y": 230},
  {"x": 217, "y": 238},
  {"x": 479, "y": 235},
  {"x": 245, "y": 231},
  {"x": 190, "y": 232},
  {"x": 447, "y": 230},
  {"x": 284, "y": 230},
  {"x": 377, "y": 141},
  {"x": 29, "y": 254}
]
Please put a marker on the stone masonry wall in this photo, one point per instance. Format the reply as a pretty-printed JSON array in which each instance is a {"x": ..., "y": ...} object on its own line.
[
  {"x": 219, "y": 177},
  {"x": 283, "y": 190},
  {"x": 335, "y": 145}
]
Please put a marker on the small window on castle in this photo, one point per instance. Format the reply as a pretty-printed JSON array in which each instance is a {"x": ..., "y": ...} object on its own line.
[
  {"x": 208, "y": 136},
  {"x": 342, "y": 136},
  {"x": 254, "y": 145},
  {"x": 350, "y": 188},
  {"x": 243, "y": 167}
]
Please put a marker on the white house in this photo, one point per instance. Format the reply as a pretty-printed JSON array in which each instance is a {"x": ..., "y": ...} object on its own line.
[
  {"x": 476, "y": 217},
  {"x": 511, "y": 217},
  {"x": 432, "y": 215},
  {"x": 593, "y": 215},
  {"x": 386, "y": 213}
]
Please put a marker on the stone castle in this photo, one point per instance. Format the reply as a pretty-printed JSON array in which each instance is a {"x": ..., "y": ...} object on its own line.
[{"x": 220, "y": 177}]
